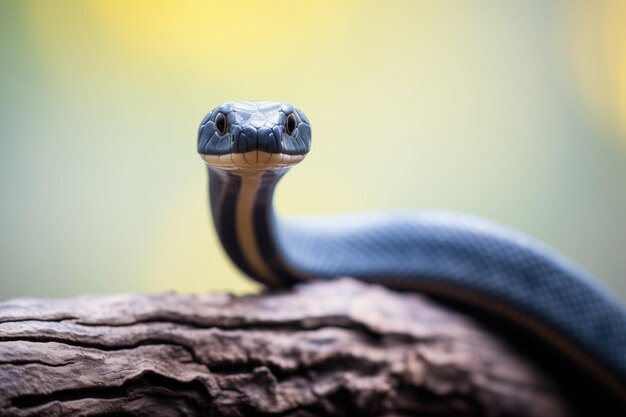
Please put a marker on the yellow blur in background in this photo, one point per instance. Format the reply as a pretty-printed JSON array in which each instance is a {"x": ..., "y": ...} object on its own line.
[{"x": 514, "y": 111}]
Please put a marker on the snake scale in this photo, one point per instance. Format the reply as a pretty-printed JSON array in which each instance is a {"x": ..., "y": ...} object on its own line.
[{"x": 483, "y": 267}]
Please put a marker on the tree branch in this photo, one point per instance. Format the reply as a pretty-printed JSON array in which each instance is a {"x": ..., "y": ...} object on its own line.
[{"x": 325, "y": 349}]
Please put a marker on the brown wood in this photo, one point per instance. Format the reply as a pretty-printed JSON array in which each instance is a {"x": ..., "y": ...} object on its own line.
[{"x": 325, "y": 349}]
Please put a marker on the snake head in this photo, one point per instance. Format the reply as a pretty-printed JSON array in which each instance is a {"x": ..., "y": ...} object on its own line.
[{"x": 254, "y": 136}]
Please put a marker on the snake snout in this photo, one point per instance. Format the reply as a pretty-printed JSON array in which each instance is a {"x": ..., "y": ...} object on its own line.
[{"x": 250, "y": 138}]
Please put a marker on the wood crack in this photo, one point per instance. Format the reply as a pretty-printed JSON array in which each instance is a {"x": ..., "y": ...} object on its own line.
[{"x": 149, "y": 381}]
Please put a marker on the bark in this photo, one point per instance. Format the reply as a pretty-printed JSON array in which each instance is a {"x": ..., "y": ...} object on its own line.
[{"x": 325, "y": 349}]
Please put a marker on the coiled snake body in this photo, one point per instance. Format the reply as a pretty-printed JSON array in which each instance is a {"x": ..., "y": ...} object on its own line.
[{"x": 250, "y": 145}]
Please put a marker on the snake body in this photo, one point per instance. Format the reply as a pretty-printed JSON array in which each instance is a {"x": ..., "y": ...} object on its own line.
[{"x": 484, "y": 267}]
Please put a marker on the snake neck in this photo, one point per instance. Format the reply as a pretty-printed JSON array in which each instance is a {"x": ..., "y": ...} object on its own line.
[{"x": 243, "y": 213}]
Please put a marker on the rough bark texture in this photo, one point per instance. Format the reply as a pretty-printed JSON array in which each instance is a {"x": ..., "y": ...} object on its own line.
[{"x": 325, "y": 349}]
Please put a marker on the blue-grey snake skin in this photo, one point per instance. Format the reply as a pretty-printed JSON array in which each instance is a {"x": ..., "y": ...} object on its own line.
[{"x": 488, "y": 268}]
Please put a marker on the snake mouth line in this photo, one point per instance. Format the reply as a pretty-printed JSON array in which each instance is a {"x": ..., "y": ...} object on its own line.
[{"x": 252, "y": 160}]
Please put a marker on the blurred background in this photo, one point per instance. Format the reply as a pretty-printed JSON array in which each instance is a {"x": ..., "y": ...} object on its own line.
[{"x": 514, "y": 111}]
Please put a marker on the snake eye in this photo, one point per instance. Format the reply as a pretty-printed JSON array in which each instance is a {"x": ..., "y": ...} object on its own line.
[
  {"x": 291, "y": 123},
  {"x": 221, "y": 124}
]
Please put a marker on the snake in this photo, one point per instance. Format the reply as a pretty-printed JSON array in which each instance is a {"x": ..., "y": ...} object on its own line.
[{"x": 483, "y": 267}]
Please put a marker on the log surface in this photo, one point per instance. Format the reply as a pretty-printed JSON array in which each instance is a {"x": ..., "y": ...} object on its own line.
[{"x": 324, "y": 349}]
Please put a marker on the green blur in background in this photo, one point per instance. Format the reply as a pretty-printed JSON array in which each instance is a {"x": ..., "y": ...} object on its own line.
[{"x": 514, "y": 111}]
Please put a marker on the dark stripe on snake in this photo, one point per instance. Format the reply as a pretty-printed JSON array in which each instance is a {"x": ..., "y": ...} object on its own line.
[
  {"x": 264, "y": 224},
  {"x": 225, "y": 188}
]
